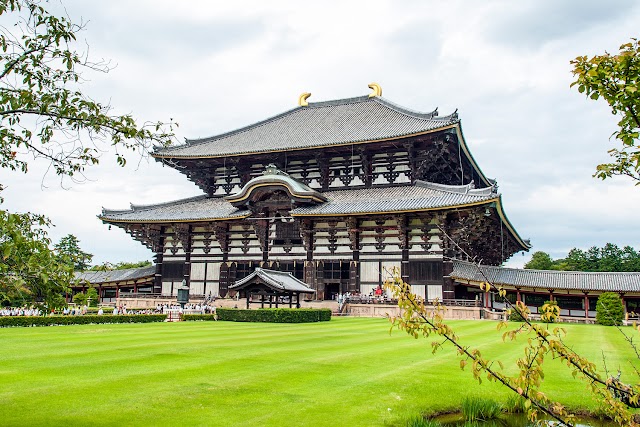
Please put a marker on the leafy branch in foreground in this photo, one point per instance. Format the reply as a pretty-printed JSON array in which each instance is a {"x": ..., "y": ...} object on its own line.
[
  {"x": 42, "y": 113},
  {"x": 616, "y": 79},
  {"x": 418, "y": 320}
]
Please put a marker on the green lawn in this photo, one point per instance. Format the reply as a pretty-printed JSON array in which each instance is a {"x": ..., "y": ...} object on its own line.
[{"x": 347, "y": 372}]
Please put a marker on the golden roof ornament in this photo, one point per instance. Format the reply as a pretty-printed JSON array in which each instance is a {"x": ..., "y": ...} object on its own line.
[
  {"x": 377, "y": 90},
  {"x": 302, "y": 101}
]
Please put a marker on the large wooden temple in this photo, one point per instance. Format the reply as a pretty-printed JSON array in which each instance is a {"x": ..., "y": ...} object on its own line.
[{"x": 334, "y": 192}]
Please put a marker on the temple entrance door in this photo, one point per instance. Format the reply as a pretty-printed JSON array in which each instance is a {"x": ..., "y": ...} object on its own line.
[{"x": 331, "y": 290}]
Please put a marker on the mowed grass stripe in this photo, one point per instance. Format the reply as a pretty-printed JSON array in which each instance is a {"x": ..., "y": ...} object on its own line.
[{"x": 343, "y": 372}]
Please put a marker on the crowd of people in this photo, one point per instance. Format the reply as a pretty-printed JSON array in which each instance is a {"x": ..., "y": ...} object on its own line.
[
  {"x": 20, "y": 311},
  {"x": 72, "y": 310},
  {"x": 205, "y": 308},
  {"x": 377, "y": 295}
]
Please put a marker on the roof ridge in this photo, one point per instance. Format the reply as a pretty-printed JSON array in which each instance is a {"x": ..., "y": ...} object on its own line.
[
  {"x": 319, "y": 104},
  {"x": 458, "y": 189},
  {"x": 572, "y": 272},
  {"x": 134, "y": 208},
  {"x": 432, "y": 115},
  {"x": 198, "y": 141}
]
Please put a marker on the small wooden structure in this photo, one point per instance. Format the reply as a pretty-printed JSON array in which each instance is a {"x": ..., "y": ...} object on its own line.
[{"x": 273, "y": 287}]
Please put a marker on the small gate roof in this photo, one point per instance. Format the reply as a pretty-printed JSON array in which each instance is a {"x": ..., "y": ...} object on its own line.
[{"x": 276, "y": 280}]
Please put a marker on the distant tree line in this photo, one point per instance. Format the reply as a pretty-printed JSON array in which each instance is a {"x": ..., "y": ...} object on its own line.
[
  {"x": 610, "y": 257},
  {"x": 68, "y": 252},
  {"x": 122, "y": 265}
]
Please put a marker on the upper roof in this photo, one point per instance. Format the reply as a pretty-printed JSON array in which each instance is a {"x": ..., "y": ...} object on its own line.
[
  {"x": 342, "y": 121},
  {"x": 548, "y": 279},
  {"x": 96, "y": 277},
  {"x": 277, "y": 280}
]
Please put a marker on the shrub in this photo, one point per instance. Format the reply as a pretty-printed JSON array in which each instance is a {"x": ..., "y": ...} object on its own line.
[
  {"x": 200, "y": 317},
  {"x": 275, "y": 315},
  {"x": 480, "y": 409},
  {"x": 80, "y": 298},
  {"x": 514, "y": 316},
  {"x": 609, "y": 310},
  {"x": 9, "y": 321}
]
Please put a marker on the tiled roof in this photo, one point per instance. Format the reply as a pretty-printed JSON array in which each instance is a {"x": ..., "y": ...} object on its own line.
[
  {"x": 96, "y": 277},
  {"x": 341, "y": 121},
  {"x": 191, "y": 209},
  {"x": 548, "y": 279},
  {"x": 421, "y": 196},
  {"x": 277, "y": 280},
  {"x": 273, "y": 176}
]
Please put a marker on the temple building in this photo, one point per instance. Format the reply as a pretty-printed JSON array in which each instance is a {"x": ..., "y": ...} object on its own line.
[{"x": 335, "y": 193}]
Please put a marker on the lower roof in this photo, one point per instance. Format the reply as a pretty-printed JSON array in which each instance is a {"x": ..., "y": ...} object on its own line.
[
  {"x": 547, "y": 279},
  {"x": 406, "y": 198},
  {"x": 111, "y": 276}
]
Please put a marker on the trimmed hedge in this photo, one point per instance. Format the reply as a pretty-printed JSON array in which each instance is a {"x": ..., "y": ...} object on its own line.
[
  {"x": 275, "y": 315},
  {"x": 190, "y": 317},
  {"x": 609, "y": 309},
  {"x": 9, "y": 321}
]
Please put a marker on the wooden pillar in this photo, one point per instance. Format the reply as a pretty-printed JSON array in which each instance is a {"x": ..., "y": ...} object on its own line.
[
  {"x": 624, "y": 305},
  {"x": 402, "y": 224},
  {"x": 157, "y": 279},
  {"x": 518, "y": 296},
  {"x": 550, "y": 294},
  {"x": 586, "y": 306},
  {"x": 448, "y": 291},
  {"x": 265, "y": 249},
  {"x": 221, "y": 233},
  {"x": 117, "y": 291},
  {"x": 186, "y": 242}
]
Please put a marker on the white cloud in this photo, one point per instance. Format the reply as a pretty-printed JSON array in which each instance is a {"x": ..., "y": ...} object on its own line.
[{"x": 217, "y": 66}]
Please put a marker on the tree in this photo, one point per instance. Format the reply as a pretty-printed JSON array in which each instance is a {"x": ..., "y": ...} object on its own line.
[
  {"x": 576, "y": 260},
  {"x": 608, "y": 258},
  {"x": 30, "y": 272},
  {"x": 122, "y": 265},
  {"x": 616, "y": 79},
  {"x": 80, "y": 298},
  {"x": 539, "y": 261},
  {"x": 68, "y": 250},
  {"x": 42, "y": 111},
  {"x": 44, "y": 114},
  {"x": 609, "y": 310}
]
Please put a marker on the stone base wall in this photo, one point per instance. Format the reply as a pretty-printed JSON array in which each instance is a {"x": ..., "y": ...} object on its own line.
[
  {"x": 380, "y": 310},
  {"x": 135, "y": 303}
]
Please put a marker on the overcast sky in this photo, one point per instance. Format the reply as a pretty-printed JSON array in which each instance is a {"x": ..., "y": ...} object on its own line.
[{"x": 216, "y": 66}]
